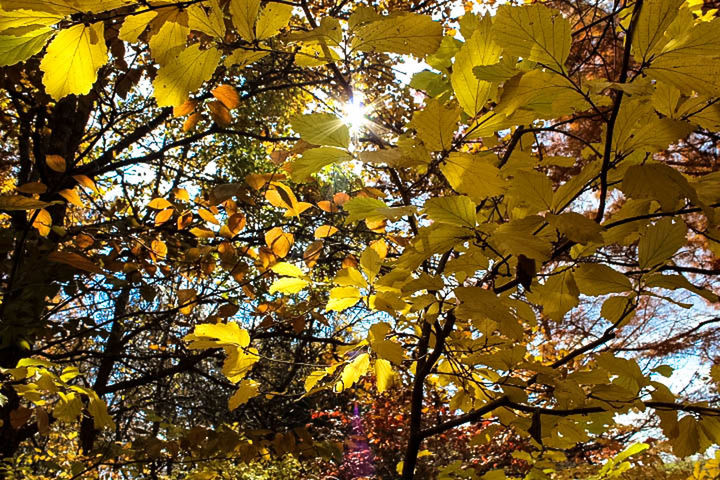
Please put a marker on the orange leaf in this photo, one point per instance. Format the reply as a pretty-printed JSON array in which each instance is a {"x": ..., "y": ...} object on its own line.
[
  {"x": 181, "y": 194},
  {"x": 208, "y": 216},
  {"x": 326, "y": 206},
  {"x": 163, "y": 216},
  {"x": 71, "y": 196},
  {"x": 185, "y": 108},
  {"x": 86, "y": 182},
  {"x": 279, "y": 241},
  {"x": 56, "y": 162},
  {"x": 340, "y": 198},
  {"x": 202, "y": 232},
  {"x": 159, "y": 248},
  {"x": 227, "y": 95},
  {"x": 258, "y": 180},
  {"x": 184, "y": 221},
  {"x": 220, "y": 113},
  {"x": 159, "y": 204},
  {"x": 236, "y": 222},
  {"x": 191, "y": 121},
  {"x": 43, "y": 222},
  {"x": 312, "y": 253}
]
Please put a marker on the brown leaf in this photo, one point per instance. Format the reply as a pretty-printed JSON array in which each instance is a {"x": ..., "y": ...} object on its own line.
[
  {"x": 32, "y": 187},
  {"x": 279, "y": 241},
  {"x": 74, "y": 260},
  {"x": 19, "y": 416},
  {"x": 220, "y": 113},
  {"x": 56, "y": 163}
]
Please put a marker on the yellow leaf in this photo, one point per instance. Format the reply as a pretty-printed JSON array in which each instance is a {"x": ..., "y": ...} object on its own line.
[
  {"x": 43, "y": 222},
  {"x": 68, "y": 407},
  {"x": 325, "y": 231},
  {"x": 98, "y": 410},
  {"x": 171, "y": 37},
  {"x": 242, "y": 58},
  {"x": 472, "y": 94},
  {"x": 388, "y": 350},
  {"x": 287, "y": 269},
  {"x": 18, "y": 48},
  {"x": 244, "y": 13},
  {"x": 227, "y": 95},
  {"x": 159, "y": 204},
  {"x": 314, "y": 377},
  {"x": 208, "y": 216},
  {"x": 86, "y": 182},
  {"x": 473, "y": 175},
  {"x": 288, "y": 285},
  {"x": 212, "y": 23},
  {"x": 73, "y": 59},
  {"x": 322, "y": 129},
  {"x": 75, "y": 260},
  {"x": 409, "y": 33},
  {"x": 436, "y": 125},
  {"x": 17, "y": 19},
  {"x": 176, "y": 79},
  {"x": 596, "y": 279},
  {"x": 533, "y": 32},
  {"x": 219, "y": 113},
  {"x": 71, "y": 195},
  {"x": 134, "y": 25},
  {"x": 655, "y": 17},
  {"x": 342, "y": 298},
  {"x": 183, "y": 109},
  {"x": 353, "y": 371},
  {"x": 246, "y": 390},
  {"x": 274, "y": 17},
  {"x": 279, "y": 241},
  {"x": 660, "y": 242},
  {"x": 454, "y": 210},
  {"x": 214, "y": 335},
  {"x": 314, "y": 159},
  {"x": 576, "y": 227},
  {"x": 56, "y": 163},
  {"x": 383, "y": 374}
]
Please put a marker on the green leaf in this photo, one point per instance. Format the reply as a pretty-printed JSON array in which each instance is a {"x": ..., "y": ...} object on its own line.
[
  {"x": 660, "y": 242},
  {"x": 435, "y": 125},
  {"x": 246, "y": 390},
  {"x": 534, "y": 32},
  {"x": 73, "y": 59},
  {"x": 455, "y": 210},
  {"x": 187, "y": 73},
  {"x": 18, "y": 48},
  {"x": 314, "y": 159},
  {"x": 288, "y": 285},
  {"x": 322, "y": 129},
  {"x": 595, "y": 279},
  {"x": 410, "y": 33},
  {"x": 472, "y": 93}
]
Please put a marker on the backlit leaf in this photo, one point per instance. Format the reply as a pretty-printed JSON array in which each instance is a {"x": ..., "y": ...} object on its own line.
[
  {"x": 410, "y": 33},
  {"x": 660, "y": 242},
  {"x": 178, "y": 78},
  {"x": 73, "y": 59}
]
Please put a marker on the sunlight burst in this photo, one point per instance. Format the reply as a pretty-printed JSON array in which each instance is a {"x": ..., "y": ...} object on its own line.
[{"x": 354, "y": 113}]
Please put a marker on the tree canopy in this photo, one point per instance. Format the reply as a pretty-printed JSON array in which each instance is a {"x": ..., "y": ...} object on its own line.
[{"x": 495, "y": 227}]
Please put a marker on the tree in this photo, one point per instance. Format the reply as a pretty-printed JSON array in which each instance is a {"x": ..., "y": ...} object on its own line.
[{"x": 190, "y": 216}]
